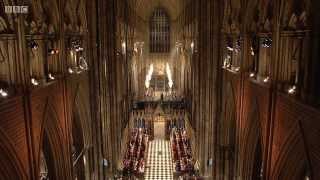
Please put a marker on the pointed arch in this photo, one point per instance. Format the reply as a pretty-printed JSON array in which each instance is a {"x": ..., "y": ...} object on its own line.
[
  {"x": 286, "y": 167},
  {"x": 10, "y": 165},
  {"x": 252, "y": 136},
  {"x": 228, "y": 132},
  {"x": 51, "y": 132},
  {"x": 81, "y": 114}
]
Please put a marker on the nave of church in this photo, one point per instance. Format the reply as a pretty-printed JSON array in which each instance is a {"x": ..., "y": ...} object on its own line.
[{"x": 159, "y": 89}]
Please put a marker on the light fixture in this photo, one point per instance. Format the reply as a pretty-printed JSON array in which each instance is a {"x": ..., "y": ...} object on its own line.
[
  {"x": 169, "y": 75},
  {"x": 3, "y": 93},
  {"x": 51, "y": 77},
  {"x": 237, "y": 69},
  {"x": 192, "y": 47},
  {"x": 252, "y": 51},
  {"x": 252, "y": 74},
  {"x": 149, "y": 76},
  {"x": 124, "y": 47},
  {"x": 53, "y": 51},
  {"x": 266, "y": 79},
  {"x": 230, "y": 48},
  {"x": 292, "y": 89},
  {"x": 70, "y": 70},
  {"x": 78, "y": 49},
  {"x": 34, "y": 81}
]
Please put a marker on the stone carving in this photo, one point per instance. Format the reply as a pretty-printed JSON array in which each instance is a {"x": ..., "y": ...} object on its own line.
[
  {"x": 44, "y": 17},
  {"x": 294, "y": 15},
  {"x": 75, "y": 16}
]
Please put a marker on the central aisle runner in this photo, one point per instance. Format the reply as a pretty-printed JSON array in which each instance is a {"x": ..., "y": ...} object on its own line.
[{"x": 159, "y": 164}]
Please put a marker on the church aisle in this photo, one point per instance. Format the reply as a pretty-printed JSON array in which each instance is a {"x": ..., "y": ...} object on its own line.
[{"x": 159, "y": 164}]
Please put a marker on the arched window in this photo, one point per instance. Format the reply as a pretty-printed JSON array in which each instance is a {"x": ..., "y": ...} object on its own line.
[{"x": 159, "y": 32}]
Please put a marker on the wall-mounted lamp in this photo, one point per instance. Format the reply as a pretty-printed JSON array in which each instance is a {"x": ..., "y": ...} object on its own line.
[
  {"x": 53, "y": 51},
  {"x": 292, "y": 89},
  {"x": 252, "y": 51},
  {"x": 266, "y": 79},
  {"x": 3, "y": 93},
  {"x": 70, "y": 70},
  {"x": 78, "y": 49},
  {"x": 51, "y": 77},
  {"x": 230, "y": 48},
  {"x": 105, "y": 163},
  {"x": 252, "y": 75},
  {"x": 34, "y": 81},
  {"x": 124, "y": 47},
  {"x": 192, "y": 46}
]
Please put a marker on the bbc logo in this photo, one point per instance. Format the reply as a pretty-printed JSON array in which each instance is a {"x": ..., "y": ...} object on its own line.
[{"x": 16, "y": 9}]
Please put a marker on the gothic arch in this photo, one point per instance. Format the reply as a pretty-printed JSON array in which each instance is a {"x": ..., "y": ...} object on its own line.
[
  {"x": 229, "y": 115},
  {"x": 286, "y": 166},
  {"x": 228, "y": 129},
  {"x": 258, "y": 16},
  {"x": 10, "y": 165},
  {"x": 51, "y": 131},
  {"x": 251, "y": 137},
  {"x": 295, "y": 14},
  {"x": 232, "y": 16},
  {"x": 75, "y": 16},
  {"x": 81, "y": 132},
  {"x": 81, "y": 116}
]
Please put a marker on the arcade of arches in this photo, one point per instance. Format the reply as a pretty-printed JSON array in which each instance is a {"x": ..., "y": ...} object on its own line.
[{"x": 159, "y": 89}]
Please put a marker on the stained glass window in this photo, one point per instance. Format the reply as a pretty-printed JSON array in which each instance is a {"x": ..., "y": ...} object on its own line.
[{"x": 159, "y": 32}]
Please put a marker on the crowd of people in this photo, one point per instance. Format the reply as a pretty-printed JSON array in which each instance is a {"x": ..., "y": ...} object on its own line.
[
  {"x": 134, "y": 159},
  {"x": 181, "y": 151}
]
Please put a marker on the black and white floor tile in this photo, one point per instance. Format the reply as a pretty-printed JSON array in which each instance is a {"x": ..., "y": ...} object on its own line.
[{"x": 159, "y": 161}]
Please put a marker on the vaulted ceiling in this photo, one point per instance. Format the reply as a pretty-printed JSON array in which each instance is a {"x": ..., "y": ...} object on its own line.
[{"x": 144, "y": 8}]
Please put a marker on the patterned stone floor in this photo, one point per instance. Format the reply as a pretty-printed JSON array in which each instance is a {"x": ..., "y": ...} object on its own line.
[{"x": 159, "y": 161}]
